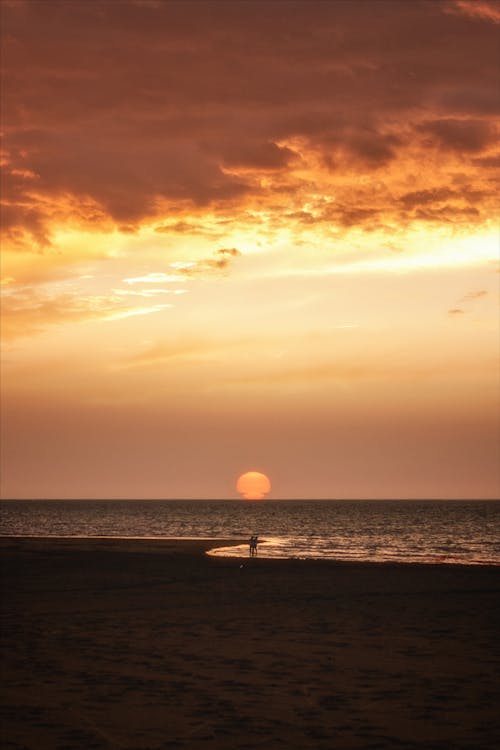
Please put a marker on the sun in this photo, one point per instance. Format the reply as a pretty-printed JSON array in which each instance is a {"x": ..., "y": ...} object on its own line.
[{"x": 253, "y": 485}]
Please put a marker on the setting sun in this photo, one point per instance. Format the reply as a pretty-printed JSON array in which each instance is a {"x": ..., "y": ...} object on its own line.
[{"x": 253, "y": 485}]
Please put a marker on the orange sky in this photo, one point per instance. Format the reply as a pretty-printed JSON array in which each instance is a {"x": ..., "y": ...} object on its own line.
[{"x": 250, "y": 236}]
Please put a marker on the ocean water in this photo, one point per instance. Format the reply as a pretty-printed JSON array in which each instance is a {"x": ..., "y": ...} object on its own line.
[{"x": 466, "y": 532}]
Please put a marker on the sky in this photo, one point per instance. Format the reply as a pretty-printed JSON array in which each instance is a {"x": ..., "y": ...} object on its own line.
[{"x": 250, "y": 236}]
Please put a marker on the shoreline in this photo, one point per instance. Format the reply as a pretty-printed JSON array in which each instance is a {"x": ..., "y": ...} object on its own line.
[{"x": 208, "y": 547}]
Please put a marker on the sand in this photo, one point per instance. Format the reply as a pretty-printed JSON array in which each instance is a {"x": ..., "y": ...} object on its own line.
[{"x": 153, "y": 644}]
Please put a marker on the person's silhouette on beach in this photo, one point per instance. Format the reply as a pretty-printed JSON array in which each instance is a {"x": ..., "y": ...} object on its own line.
[{"x": 254, "y": 540}]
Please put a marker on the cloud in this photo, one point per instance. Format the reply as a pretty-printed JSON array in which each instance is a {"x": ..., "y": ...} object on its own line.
[
  {"x": 487, "y": 10},
  {"x": 156, "y": 277},
  {"x": 119, "y": 114},
  {"x": 474, "y": 295},
  {"x": 424, "y": 197},
  {"x": 18, "y": 220},
  {"x": 372, "y": 148},
  {"x": 467, "y": 298},
  {"x": 136, "y": 311},
  {"x": 349, "y": 216},
  {"x": 488, "y": 161},
  {"x": 232, "y": 251},
  {"x": 28, "y": 313},
  {"x": 187, "y": 228},
  {"x": 222, "y": 259},
  {"x": 147, "y": 292},
  {"x": 467, "y": 136},
  {"x": 335, "y": 371},
  {"x": 260, "y": 156},
  {"x": 163, "y": 351},
  {"x": 448, "y": 214}
]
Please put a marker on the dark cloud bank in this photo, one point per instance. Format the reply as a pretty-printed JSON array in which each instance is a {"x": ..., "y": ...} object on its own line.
[{"x": 138, "y": 108}]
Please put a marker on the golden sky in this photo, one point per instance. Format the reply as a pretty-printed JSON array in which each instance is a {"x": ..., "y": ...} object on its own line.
[{"x": 250, "y": 236}]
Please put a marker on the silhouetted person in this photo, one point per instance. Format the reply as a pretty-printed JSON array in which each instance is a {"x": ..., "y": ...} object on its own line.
[{"x": 253, "y": 545}]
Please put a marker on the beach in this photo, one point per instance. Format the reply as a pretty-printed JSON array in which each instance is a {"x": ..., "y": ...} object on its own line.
[{"x": 149, "y": 644}]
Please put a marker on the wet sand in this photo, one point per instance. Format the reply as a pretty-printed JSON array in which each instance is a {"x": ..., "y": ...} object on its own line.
[{"x": 153, "y": 644}]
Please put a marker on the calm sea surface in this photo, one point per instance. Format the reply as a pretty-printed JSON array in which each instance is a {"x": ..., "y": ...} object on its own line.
[{"x": 376, "y": 530}]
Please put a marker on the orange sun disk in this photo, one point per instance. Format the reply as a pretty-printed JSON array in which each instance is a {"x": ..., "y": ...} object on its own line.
[{"x": 253, "y": 485}]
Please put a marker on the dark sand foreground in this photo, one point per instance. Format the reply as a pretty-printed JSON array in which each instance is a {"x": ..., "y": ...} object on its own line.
[{"x": 144, "y": 644}]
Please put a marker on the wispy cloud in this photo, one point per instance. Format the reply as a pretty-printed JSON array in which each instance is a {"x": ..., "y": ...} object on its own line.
[
  {"x": 30, "y": 312},
  {"x": 187, "y": 269},
  {"x": 465, "y": 301},
  {"x": 474, "y": 295},
  {"x": 136, "y": 311},
  {"x": 156, "y": 277},
  {"x": 489, "y": 10},
  {"x": 147, "y": 292}
]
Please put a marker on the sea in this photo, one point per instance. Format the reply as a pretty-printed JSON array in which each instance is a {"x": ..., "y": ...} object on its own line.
[{"x": 427, "y": 531}]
